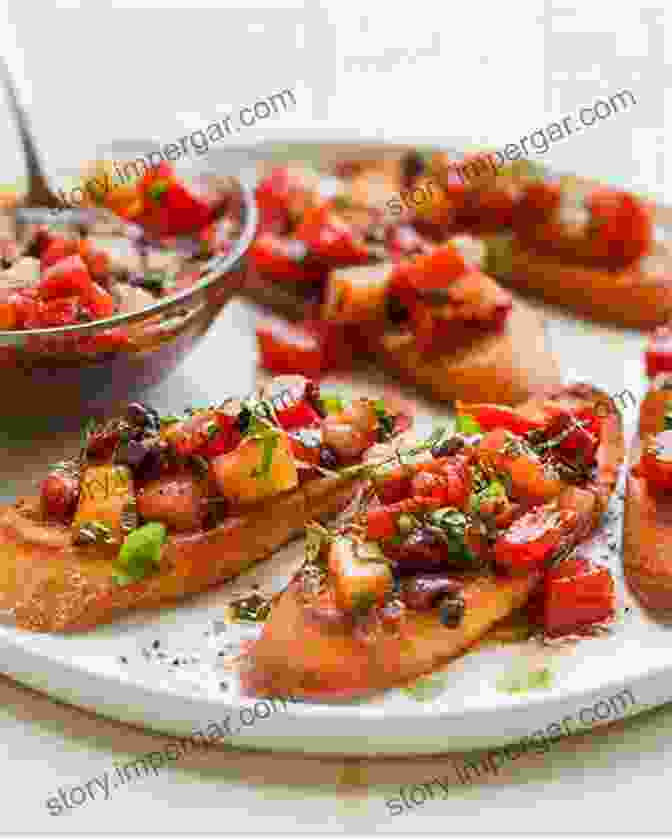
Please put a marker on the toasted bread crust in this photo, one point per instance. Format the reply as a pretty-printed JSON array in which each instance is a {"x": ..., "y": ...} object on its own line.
[
  {"x": 639, "y": 296},
  {"x": 51, "y": 586}
]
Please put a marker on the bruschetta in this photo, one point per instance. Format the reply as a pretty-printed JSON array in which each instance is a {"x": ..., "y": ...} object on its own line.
[
  {"x": 454, "y": 535},
  {"x": 356, "y": 284},
  {"x": 591, "y": 249},
  {"x": 647, "y": 523},
  {"x": 156, "y": 508}
]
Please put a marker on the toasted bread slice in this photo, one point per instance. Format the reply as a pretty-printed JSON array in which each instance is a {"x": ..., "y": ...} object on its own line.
[
  {"x": 49, "y": 585},
  {"x": 313, "y": 652},
  {"x": 639, "y": 296}
]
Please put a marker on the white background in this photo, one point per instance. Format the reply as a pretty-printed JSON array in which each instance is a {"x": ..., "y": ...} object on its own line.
[{"x": 481, "y": 72}]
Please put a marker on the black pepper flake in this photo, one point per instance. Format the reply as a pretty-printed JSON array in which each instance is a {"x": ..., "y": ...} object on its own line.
[
  {"x": 223, "y": 685},
  {"x": 156, "y": 644},
  {"x": 176, "y": 662},
  {"x": 123, "y": 659}
]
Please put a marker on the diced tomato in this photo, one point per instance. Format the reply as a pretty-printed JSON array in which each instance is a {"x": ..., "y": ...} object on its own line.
[
  {"x": 490, "y": 208},
  {"x": 300, "y": 415},
  {"x": 434, "y": 270},
  {"x": 445, "y": 480},
  {"x": 107, "y": 340},
  {"x": 310, "y": 348},
  {"x": 490, "y": 417},
  {"x": 221, "y": 443},
  {"x": 576, "y": 595},
  {"x": 582, "y": 441},
  {"x": 533, "y": 538},
  {"x": 98, "y": 262},
  {"x": 656, "y": 462},
  {"x": 380, "y": 524},
  {"x": 329, "y": 238},
  {"x": 539, "y": 201},
  {"x": 278, "y": 195},
  {"x": 393, "y": 486},
  {"x": 306, "y": 445},
  {"x": 658, "y": 355},
  {"x": 65, "y": 278},
  {"x": 170, "y": 208},
  {"x": 58, "y": 248},
  {"x": 282, "y": 258},
  {"x": 26, "y": 306},
  {"x": 621, "y": 226},
  {"x": 62, "y": 311}
]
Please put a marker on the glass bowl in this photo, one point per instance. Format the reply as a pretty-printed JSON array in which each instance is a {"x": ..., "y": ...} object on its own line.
[{"x": 56, "y": 373}]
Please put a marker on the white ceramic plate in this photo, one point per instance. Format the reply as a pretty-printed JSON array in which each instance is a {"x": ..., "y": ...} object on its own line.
[{"x": 116, "y": 671}]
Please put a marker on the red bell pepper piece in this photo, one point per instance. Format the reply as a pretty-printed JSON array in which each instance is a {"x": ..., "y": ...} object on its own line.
[
  {"x": 576, "y": 595},
  {"x": 431, "y": 271},
  {"x": 329, "y": 238},
  {"x": 532, "y": 539},
  {"x": 381, "y": 524},
  {"x": 66, "y": 278}
]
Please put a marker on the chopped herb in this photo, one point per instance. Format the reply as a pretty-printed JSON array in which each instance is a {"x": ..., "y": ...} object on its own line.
[
  {"x": 362, "y": 602},
  {"x": 270, "y": 439},
  {"x": 451, "y": 524},
  {"x": 157, "y": 189},
  {"x": 129, "y": 516},
  {"x": 427, "y": 687},
  {"x": 668, "y": 417},
  {"x": 465, "y": 424},
  {"x": 386, "y": 422},
  {"x": 211, "y": 429},
  {"x": 170, "y": 420},
  {"x": 200, "y": 464},
  {"x": 153, "y": 280},
  {"x": 341, "y": 202},
  {"x": 333, "y": 404},
  {"x": 86, "y": 433}
]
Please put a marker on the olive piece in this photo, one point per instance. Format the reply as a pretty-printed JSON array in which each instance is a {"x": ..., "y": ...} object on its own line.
[
  {"x": 423, "y": 550},
  {"x": 132, "y": 453},
  {"x": 328, "y": 457},
  {"x": 422, "y": 592},
  {"x": 447, "y": 447},
  {"x": 451, "y": 610},
  {"x": 143, "y": 416},
  {"x": 395, "y": 311},
  {"x": 412, "y": 165}
]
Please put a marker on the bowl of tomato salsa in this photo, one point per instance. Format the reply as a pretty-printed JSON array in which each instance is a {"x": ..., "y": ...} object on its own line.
[{"x": 97, "y": 306}]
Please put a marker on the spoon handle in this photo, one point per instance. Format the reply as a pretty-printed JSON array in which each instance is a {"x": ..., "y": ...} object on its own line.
[{"x": 39, "y": 193}]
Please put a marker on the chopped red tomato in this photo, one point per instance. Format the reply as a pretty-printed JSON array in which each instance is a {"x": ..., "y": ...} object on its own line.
[
  {"x": 658, "y": 355},
  {"x": 170, "y": 208},
  {"x": 446, "y": 481},
  {"x": 329, "y": 238},
  {"x": 490, "y": 417},
  {"x": 65, "y": 278},
  {"x": 279, "y": 195},
  {"x": 58, "y": 248},
  {"x": 404, "y": 241},
  {"x": 576, "y": 595},
  {"x": 306, "y": 444},
  {"x": 656, "y": 462},
  {"x": 8, "y": 314},
  {"x": 281, "y": 258},
  {"x": 583, "y": 441},
  {"x": 538, "y": 202},
  {"x": 310, "y": 348},
  {"x": 62, "y": 311},
  {"x": 534, "y": 538},
  {"x": 381, "y": 524},
  {"x": 621, "y": 226},
  {"x": 25, "y": 305},
  {"x": 487, "y": 208},
  {"x": 393, "y": 486},
  {"x": 109, "y": 340},
  {"x": 204, "y": 434},
  {"x": 430, "y": 271},
  {"x": 300, "y": 415}
]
